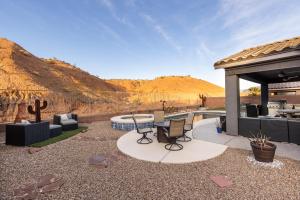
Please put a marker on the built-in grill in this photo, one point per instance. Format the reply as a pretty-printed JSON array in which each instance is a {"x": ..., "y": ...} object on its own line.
[{"x": 274, "y": 106}]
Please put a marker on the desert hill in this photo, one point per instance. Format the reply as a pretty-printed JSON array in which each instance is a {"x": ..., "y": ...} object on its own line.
[
  {"x": 21, "y": 70},
  {"x": 25, "y": 77},
  {"x": 183, "y": 85}
]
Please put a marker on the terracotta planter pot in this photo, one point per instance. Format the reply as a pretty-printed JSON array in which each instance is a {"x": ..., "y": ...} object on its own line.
[{"x": 263, "y": 154}]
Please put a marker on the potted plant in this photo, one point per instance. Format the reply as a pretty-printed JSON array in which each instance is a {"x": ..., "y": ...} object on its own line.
[
  {"x": 218, "y": 126},
  {"x": 263, "y": 149}
]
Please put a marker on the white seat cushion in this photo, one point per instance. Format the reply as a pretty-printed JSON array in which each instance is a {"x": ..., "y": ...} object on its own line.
[
  {"x": 22, "y": 124},
  {"x": 68, "y": 121},
  {"x": 25, "y": 121},
  {"x": 53, "y": 126}
]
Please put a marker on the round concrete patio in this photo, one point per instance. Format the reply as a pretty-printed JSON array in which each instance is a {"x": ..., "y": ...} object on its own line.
[{"x": 193, "y": 151}]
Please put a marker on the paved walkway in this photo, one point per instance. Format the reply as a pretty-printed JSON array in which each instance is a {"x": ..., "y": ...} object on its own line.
[{"x": 205, "y": 130}]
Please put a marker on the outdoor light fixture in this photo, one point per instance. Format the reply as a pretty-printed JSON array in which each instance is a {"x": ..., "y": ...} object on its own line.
[{"x": 286, "y": 77}]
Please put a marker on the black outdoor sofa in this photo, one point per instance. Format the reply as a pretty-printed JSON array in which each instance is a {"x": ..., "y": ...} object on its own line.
[
  {"x": 26, "y": 134},
  {"x": 294, "y": 131},
  {"x": 55, "y": 130},
  {"x": 69, "y": 124},
  {"x": 278, "y": 129},
  {"x": 249, "y": 126}
]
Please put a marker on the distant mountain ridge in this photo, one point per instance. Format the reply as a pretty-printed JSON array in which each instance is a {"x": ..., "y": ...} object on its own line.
[
  {"x": 170, "y": 85},
  {"x": 19, "y": 69},
  {"x": 67, "y": 88}
]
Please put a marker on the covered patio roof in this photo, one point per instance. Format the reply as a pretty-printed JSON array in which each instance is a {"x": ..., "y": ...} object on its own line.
[
  {"x": 276, "y": 62},
  {"x": 271, "y": 51}
]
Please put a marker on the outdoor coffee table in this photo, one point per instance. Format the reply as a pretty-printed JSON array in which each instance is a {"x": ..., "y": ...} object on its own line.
[{"x": 161, "y": 137}]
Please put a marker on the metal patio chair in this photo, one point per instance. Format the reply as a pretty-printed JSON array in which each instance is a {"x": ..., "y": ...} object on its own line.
[
  {"x": 144, "y": 131},
  {"x": 175, "y": 131},
  {"x": 188, "y": 126}
]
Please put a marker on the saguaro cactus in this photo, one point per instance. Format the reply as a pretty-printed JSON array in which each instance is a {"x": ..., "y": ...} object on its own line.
[
  {"x": 163, "y": 104},
  {"x": 203, "y": 100},
  {"x": 38, "y": 108}
]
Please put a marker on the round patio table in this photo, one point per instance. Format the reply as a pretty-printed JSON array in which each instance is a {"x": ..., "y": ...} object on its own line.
[{"x": 161, "y": 137}]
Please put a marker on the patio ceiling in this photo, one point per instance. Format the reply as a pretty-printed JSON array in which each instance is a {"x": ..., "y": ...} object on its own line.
[{"x": 274, "y": 76}]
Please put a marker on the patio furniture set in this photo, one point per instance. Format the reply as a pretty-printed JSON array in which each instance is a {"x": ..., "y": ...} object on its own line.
[
  {"x": 168, "y": 131},
  {"x": 279, "y": 127},
  {"x": 30, "y": 132}
]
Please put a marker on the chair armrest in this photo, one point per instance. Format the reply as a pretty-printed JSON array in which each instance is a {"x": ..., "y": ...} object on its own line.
[
  {"x": 56, "y": 120},
  {"x": 75, "y": 117}
]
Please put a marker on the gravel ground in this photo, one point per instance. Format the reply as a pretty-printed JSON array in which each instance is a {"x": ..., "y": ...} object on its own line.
[{"x": 129, "y": 178}]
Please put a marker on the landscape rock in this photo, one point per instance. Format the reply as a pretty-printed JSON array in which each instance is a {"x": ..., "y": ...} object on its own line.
[
  {"x": 43, "y": 184},
  {"x": 221, "y": 181},
  {"x": 275, "y": 164},
  {"x": 33, "y": 150},
  {"x": 52, "y": 186},
  {"x": 46, "y": 180},
  {"x": 98, "y": 161},
  {"x": 25, "y": 189}
]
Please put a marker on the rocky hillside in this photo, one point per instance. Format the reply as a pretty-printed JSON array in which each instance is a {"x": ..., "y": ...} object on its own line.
[
  {"x": 183, "y": 85},
  {"x": 21, "y": 70},
  {"x": 25, "y": 77}
]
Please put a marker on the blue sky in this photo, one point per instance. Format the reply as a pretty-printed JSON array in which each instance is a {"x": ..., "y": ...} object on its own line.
[{"x": 143, "y": 39}]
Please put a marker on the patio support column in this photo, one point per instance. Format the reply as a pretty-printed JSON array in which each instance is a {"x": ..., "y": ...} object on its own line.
[
  {"x": 232, "y": 92},
  {"x": 264, "y": 88}
]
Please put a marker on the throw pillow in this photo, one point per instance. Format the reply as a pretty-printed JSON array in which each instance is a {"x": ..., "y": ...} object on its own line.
[
  {"x": 64, "y": 117},
  {"x": 69, "y": 115}
]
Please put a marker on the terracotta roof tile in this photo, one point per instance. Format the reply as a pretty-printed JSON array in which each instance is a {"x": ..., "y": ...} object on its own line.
[{"x": 260, "y": 51}]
